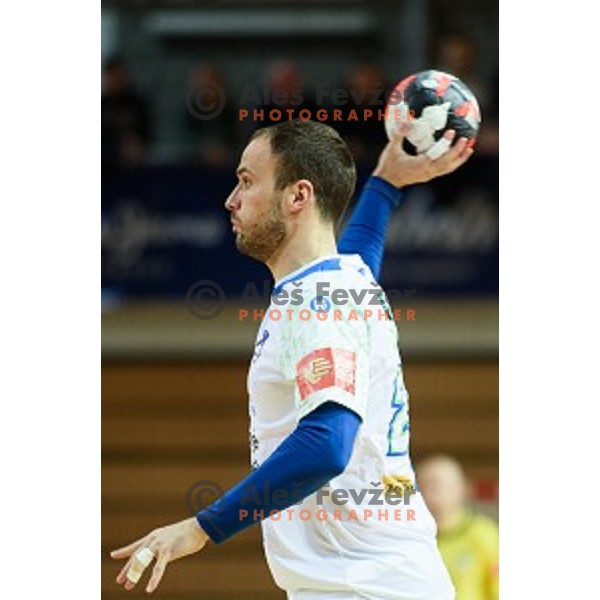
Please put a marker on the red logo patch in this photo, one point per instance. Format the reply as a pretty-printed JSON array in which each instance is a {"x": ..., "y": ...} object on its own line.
[{"x": 325, "y": 368}]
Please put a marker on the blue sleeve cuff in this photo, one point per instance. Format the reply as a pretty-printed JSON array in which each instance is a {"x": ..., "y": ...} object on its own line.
[{"x": 391, "y": 193}]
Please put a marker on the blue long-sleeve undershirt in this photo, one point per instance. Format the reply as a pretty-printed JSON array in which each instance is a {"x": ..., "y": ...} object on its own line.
[
  {"x": 316, "y": 451},
  {"x": 366, "y": 230}
]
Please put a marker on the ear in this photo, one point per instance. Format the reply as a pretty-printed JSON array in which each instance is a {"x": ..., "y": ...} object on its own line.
[{"x": 302, "y": 195}]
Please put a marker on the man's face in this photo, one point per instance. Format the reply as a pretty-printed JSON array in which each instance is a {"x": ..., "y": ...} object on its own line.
[
  {"x": 442, "y": 486},
  {"x": 255, "y": 205}
]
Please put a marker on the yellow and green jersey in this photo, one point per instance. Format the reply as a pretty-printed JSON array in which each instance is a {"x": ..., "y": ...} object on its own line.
[{"x": 470, "y": 551}]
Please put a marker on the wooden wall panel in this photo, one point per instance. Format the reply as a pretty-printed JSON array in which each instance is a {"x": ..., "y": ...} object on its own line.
[{"x": 167, "y": 425}]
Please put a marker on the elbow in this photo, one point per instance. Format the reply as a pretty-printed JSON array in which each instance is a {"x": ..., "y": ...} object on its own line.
[
  {"x": 336, "y": 468},
  {"x": 335, "y": 459}
]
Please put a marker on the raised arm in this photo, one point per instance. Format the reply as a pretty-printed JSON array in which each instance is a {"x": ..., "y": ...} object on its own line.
[{"x": 366, "y": 230}]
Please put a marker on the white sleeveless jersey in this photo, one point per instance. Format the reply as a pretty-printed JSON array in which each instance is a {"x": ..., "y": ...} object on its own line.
[{"x": 329, "y": 335}]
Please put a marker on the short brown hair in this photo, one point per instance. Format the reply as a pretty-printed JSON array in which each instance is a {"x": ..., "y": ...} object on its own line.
[{"x": 314, "y": 151}]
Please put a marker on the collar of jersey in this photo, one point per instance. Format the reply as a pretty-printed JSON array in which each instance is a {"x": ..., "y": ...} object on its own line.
[{"x": 325, "y": 263}]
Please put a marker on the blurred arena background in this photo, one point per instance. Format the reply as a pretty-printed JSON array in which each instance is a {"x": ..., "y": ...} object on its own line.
[{"x": 174, "y": 405}]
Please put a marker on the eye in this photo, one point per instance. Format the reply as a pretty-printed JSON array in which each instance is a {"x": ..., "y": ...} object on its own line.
[{"x": 246, "y": 182}]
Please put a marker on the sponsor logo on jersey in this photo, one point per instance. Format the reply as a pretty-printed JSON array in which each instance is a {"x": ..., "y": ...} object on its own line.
[{"x": 325, "y": 368}]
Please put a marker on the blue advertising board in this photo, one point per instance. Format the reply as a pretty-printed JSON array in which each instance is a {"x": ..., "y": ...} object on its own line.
[{"x": 164, "y": 228}]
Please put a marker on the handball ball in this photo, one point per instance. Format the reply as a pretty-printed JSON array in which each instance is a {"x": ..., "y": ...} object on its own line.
[{"x": 432, "y": 102}]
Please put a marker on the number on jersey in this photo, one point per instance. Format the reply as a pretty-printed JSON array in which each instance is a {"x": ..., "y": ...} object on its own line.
[{"x": 399, "y": 429}]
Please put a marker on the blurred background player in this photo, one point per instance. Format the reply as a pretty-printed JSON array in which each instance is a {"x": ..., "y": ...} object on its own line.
[
  {"x": 458, "y": 54},
  {"x": 364, "y": 135},
  {"x": 285, "y": 90},
  {"x": 468, "y": 541},
  {"x": 125, "y": 119},
  {"x": 211, "y": 142}
]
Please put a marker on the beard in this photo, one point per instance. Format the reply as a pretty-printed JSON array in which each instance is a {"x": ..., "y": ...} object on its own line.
[{"x": 261, "y": 240}]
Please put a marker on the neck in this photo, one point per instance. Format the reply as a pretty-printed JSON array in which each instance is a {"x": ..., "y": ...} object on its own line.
[{"x": 300, "y": 249}]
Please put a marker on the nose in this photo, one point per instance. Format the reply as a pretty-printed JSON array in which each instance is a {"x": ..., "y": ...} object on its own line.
[{"x": 233, "y": 203}]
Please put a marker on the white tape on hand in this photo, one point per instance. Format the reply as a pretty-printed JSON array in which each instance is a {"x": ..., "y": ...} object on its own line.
[
  {"x": 439, "y": 148},
  {"x": 140, "y": 560}
]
